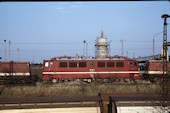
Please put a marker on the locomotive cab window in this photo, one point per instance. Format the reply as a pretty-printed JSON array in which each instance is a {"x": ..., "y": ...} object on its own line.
[
  {"x": 46, "y": 64},
  {"x": 63, "y": 64},
  {"x": 119, "y": 64},
  {"x": 72, "y": 64},
  {"x": 101, "y": 64}
]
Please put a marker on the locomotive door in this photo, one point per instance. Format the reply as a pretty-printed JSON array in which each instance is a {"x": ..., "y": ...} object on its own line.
[{"x": 91, "y": 69}]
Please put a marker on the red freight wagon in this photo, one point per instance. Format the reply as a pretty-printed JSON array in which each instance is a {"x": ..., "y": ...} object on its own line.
[
  {"x": 70, "y": 68},
  {"x": 14, "y": 72}
]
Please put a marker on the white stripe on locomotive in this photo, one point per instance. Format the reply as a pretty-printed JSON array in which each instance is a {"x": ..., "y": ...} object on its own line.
[
  {"x": 112, "y": 72},
  {"x": 15, "y": 74}
]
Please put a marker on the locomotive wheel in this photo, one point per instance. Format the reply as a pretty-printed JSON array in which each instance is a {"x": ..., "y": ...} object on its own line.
[
  {"x": 89, "y": 80},
  {"x": 84, "y": 80},
  {"x": 54, "y": 81}
]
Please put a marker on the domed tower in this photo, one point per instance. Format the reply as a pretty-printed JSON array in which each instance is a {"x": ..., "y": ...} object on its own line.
[{"x": 102, "y": 47}]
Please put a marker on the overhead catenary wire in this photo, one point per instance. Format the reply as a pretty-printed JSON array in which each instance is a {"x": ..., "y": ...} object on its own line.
[
  {"x": 114, "y": 41},
  {"x": 115, "y": 49},
  {"x": 65, "y": 49}
]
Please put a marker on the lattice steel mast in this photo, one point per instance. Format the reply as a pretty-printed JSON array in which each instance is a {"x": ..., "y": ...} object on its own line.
[
  {"x": 165, "y": 85},
  {"x": 165, "y": 48}
]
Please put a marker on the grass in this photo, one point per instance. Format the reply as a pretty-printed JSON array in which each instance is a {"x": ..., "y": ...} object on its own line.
[{"x": 68, "y": 89}]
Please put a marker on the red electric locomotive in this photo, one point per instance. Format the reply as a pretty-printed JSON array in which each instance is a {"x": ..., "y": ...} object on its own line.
[
  {"x": 153, "y": 70},
  {"x": 73, "y": 68}
]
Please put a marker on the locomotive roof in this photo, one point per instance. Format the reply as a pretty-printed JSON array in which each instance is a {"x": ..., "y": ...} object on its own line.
[{"x": 61, "y": 58}]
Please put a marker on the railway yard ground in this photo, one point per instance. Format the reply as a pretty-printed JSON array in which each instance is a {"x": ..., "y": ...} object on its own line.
[
  {"x": 76, "y": 89},
  {"x": 68, "y": 97}
]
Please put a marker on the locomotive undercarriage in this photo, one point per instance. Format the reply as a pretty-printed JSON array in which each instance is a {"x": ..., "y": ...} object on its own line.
[
  {"x": 89, "y": 80},
  {"x": 153, "y": 78}
]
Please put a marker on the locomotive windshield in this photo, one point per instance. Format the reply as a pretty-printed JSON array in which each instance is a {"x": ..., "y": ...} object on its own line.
[{"x": 46, "y": 64}]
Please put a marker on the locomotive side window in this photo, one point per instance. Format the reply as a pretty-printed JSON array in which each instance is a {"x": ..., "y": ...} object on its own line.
[
  {"x": 51, "y": 64},
  {"x": 72, "y": 64},
  {"x": 91, "y": 64},
  {"x": 101, "y": 64},
  {"x": 46, "y": 64},
  {"x": 131, "y": 64},
  {"x": 135, "y": 63},
  {"x": 82, "y": 64},
  {"x": 63, "y": 64},
  {"x": 110, "y": 64},
  {"x": 119, "y": 64}
]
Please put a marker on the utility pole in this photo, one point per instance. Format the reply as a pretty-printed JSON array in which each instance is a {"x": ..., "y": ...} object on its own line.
[
  {"x": 133, "y": 54},
  {"x": 18, "y": 54},
  {"x": 5, "y": 50},
  {"x": 84, "y": 48},
  {"x": 154, "y": 43},
  {"x": 109, "y": 52},
  {"x": 122, "y": 49},
  {"x": 9, "y": 51}
]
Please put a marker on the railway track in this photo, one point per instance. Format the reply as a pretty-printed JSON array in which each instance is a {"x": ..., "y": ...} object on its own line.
[
  {"x": 75, "y": 104},
  {"x": 103, "y": 103},
  {"x": 48, "y": 102}
]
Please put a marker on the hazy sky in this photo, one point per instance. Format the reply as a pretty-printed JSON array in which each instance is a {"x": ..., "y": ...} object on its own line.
[{"x": 42, "y": 30}]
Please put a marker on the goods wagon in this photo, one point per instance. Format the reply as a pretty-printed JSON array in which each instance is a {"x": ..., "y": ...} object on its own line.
[{"x": 14, "y": 72}]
